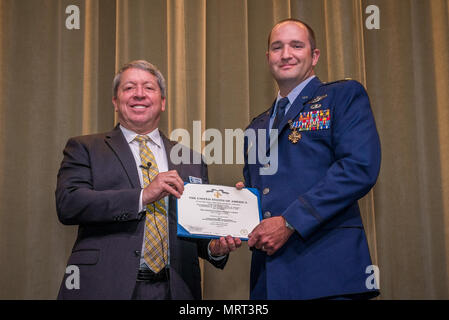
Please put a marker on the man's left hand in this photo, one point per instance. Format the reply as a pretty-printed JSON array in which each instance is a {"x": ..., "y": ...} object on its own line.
[
  {"x": 224, "y": 245},
  {"x": 270, "y": 235}
]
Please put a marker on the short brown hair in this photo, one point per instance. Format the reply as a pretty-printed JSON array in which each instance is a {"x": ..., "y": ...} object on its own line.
[{"x": 312, "y": 39}]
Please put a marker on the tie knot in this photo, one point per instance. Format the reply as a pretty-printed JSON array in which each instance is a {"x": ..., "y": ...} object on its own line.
[
  {"x": 141, "y": 139},
  {"x": 282, "y": 103}
]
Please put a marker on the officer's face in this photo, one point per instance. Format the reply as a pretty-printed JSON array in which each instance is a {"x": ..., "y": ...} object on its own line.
[
  {"x": 289, "y": 55},
  {"x": 139, "y": 102}
]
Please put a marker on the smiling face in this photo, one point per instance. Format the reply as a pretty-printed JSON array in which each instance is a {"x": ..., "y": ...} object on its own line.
[
  {"x": 139, "y": 102},
  {"x": 290, "y": 56}
]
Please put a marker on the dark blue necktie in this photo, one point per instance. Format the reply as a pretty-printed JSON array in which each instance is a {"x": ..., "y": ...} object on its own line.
[{"x": 280, "y": 112}]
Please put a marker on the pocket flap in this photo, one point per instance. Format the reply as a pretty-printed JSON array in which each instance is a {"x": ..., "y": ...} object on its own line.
[{"x": 85, "y": 256}]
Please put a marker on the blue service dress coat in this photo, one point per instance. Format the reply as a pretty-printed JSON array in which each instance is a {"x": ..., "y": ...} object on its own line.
[
  {"x": 98, "y": 188},
  {"x": 319, "y": 179}
]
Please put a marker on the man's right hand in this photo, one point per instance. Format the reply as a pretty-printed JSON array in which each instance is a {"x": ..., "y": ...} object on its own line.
[{"x": 164, "y": 184}]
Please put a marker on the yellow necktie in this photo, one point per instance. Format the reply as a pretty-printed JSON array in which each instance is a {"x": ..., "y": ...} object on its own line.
[{"x": 156, "y": 229}]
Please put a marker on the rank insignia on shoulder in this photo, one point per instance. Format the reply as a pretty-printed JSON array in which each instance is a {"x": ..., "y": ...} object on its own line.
[
  {"x": 337, "y": 81},
  {"x": 313, "y": 120}
]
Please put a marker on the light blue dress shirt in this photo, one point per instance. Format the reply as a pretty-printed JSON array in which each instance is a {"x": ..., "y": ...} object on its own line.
[{"x": 291, "y": 98}]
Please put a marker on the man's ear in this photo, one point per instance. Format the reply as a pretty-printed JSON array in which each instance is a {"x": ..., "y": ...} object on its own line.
[
  {"x": 114, "y": 102},
  {"x": 315, "y": 57}
]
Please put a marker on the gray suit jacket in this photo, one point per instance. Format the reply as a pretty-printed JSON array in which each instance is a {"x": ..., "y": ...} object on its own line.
[{"x": 98, "y": 189}]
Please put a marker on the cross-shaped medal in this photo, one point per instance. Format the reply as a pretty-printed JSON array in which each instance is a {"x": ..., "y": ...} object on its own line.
[{"x": 294, "y": 136}]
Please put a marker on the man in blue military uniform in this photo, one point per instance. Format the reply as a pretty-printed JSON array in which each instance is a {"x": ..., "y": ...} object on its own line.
[{"x": 311, "y": 243}]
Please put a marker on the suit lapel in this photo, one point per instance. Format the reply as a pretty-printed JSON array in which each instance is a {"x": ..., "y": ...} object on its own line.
[
  {"x": 168, "y": 145},
  {"x": 120, "y": 147},
  {"x": 172, "y": 204}
]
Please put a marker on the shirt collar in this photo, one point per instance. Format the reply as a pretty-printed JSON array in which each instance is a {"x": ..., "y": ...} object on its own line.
[
  {"x": 296, "y": 91},
  {"x": 153, "y": 135}
]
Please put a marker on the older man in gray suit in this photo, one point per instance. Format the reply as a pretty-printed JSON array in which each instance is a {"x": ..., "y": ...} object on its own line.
[{"x": 120, "y": 187}]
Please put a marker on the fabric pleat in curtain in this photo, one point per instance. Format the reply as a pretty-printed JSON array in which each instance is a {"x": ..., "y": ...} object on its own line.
[
  {"x": 53, "y": 85},
  {"x": 407, "y": 77},
  {"x": 56, "y": 83}
]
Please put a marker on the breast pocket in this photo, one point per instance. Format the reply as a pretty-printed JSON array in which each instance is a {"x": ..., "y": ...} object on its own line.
[{"x": 316, "y": 134}]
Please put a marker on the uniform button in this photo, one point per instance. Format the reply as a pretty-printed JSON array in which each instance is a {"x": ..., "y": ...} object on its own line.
[
  {"x": 267, "y": 214},
  {"x": 266, "y": 191},
  {"x": 137, "y": 253}
]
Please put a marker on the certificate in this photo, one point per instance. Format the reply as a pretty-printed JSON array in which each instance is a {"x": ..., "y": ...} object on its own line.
[{"x": 212, "y": 211}]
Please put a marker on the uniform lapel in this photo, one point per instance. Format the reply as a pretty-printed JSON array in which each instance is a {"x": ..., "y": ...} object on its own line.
[
  {"x": 265, "y": 124},
  {"x": 120, "y": 147},
  {"x": 168, "y": 145},
  {"x": 298, "y": 105}
]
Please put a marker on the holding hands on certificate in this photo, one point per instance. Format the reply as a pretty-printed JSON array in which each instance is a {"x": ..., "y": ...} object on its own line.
[
  {"x": 270, "y": 234},
  {"x": 166, "y": 183},
  {"x": 224, "y": 245}
]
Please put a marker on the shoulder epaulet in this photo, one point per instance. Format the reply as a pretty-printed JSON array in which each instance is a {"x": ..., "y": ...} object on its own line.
[
  {"x": 336, "y": 81},
  {"x": 261, "y": 114}
]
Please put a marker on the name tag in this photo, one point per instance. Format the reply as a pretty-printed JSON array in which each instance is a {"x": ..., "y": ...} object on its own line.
[{"x": 195, "y": 180}]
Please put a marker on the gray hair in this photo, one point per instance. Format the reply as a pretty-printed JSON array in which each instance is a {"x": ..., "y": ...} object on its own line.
[{"x": 142, "y": 65}]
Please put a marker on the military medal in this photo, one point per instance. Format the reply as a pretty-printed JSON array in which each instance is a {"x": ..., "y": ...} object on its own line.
[{"x": 294, "y": 136}]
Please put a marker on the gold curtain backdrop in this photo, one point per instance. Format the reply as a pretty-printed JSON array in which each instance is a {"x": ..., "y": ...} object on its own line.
[{"x": 56, "y": 83}]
